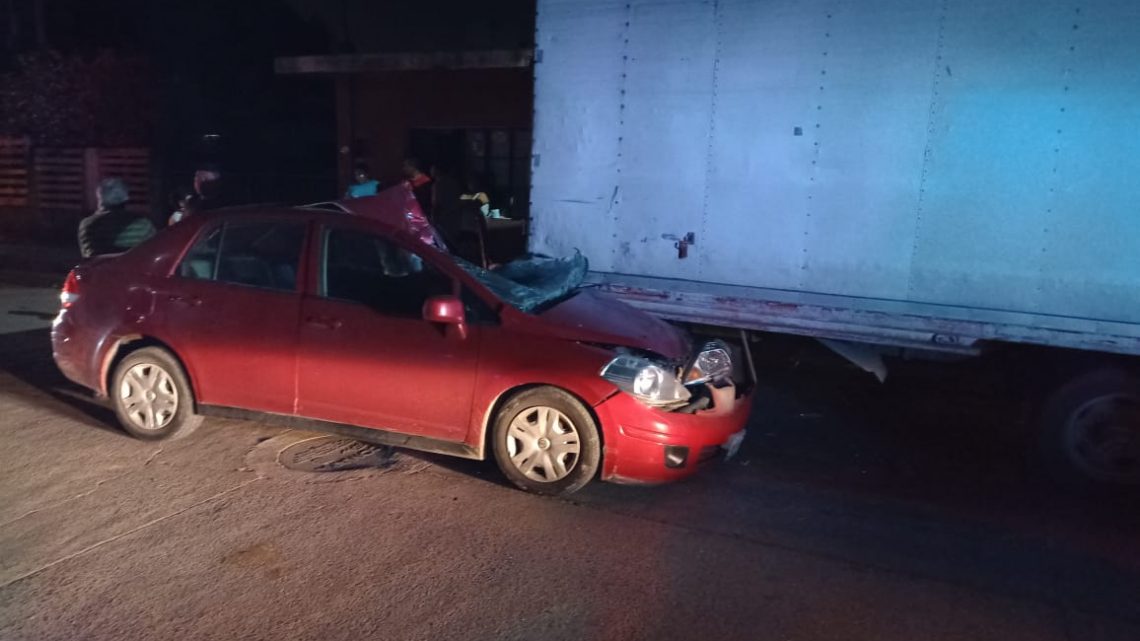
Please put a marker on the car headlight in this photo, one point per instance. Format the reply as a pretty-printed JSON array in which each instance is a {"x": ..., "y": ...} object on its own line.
[
  {"x": 712, "y": 363},
  {"x": 650, "y": 382}
]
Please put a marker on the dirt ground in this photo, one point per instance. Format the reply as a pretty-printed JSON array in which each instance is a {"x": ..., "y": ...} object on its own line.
[{"x": 855, "y": 510}]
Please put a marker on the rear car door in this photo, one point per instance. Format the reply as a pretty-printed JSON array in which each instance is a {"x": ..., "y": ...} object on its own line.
[
  {"x": 366, "y": 355},
  {"x": 231, "y": 312}
]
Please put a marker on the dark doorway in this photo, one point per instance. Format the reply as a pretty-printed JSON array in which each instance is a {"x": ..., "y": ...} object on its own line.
[
  {"x": 496, "y": 161},
  {"x": 440, "y": 148}
]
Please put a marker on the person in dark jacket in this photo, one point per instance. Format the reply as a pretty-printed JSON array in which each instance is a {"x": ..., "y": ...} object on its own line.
[
  {"x": 207, "y": 190},
  {"x": 112, "y": 229},
  {"x": 207, "y": 195}
]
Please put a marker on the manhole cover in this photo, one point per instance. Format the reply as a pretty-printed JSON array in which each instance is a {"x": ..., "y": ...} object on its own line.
[{"x": 335, "y": 454}]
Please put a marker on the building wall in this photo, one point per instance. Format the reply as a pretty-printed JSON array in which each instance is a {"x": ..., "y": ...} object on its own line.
[{"x": 386, "y": 107}]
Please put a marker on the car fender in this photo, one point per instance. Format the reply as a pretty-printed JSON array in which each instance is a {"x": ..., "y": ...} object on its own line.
[{"x": 525, "y": 363}]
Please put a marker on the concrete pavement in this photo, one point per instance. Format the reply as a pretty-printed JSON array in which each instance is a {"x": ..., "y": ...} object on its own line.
[
  {"x": 35, "y": 264},
  {"x": 855, "y": 511},
  {"x": 26, "y": 308}
]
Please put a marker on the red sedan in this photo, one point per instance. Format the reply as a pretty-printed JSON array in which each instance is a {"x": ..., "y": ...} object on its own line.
[{"x": 344, "y": 323}]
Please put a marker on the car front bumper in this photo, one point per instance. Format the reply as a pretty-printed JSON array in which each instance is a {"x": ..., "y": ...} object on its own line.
[{"x": 647, "y": 445}]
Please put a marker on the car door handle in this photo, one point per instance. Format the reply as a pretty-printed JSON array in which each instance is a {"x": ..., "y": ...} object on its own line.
[
  {"x": 189, "y": 301},
  {"x": 323, "y": 322}
]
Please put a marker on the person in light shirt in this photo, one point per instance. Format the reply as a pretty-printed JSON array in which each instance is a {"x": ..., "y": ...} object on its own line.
[{"x": 363, "y": 185}]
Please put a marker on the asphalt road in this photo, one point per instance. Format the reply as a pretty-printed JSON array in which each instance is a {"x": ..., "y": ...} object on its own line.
[{"x": 855, "y": 511}]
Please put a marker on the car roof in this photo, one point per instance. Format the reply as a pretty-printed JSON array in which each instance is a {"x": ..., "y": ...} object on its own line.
[{"x": 306, "y": 212}]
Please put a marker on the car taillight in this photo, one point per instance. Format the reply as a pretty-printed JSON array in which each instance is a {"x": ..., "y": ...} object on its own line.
[{"x": 70, "y": 292}]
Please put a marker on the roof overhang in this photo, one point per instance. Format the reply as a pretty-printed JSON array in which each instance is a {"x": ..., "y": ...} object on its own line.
[{"x": 406, "y": 61}]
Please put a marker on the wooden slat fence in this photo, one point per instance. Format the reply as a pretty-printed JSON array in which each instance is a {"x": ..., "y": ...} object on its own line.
[
  {"x": 66, "y": 177},
  {"x": 61, "y": 178},
  {"x": 15, "y": 179}
]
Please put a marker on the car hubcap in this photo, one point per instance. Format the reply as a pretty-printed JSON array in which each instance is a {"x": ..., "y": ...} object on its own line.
[
  {"x": 148, "y": 396},
  {"x": 543, "y": 444},
  {"x": 1104, "y": 438}
]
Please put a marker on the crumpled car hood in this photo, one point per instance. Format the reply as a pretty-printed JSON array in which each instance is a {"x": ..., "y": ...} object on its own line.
[{"x": 590, "y": 317}]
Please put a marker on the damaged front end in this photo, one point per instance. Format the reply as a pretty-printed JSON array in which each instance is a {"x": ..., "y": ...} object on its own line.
[
  {"x": 671, "y": 416},
  {"x": 702, "y": 384}
]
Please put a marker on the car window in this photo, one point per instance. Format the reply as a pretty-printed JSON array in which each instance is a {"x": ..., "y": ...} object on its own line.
[
  {"x": 261, "y": 254},
  {"x": 369, "y": 269},
  {"x": 201, "y": 261},
  {"x": 478, "y": 312}
]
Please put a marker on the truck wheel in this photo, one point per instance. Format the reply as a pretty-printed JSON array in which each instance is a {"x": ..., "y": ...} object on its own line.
[
  {"x": 1091, "y": 429},
  {"x": 546, "y": 442},
  {"x": 151, "y": 396}
]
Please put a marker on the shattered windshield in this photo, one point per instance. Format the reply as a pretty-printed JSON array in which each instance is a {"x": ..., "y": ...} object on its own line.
[{"x": 528, "y": 284}]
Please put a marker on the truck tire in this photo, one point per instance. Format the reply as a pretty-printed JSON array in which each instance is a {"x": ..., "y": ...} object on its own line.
[
  {"x": 545, "y": 441},
  {"x": 1090, "y": 429},
  {"x": 151, "y": 395}
]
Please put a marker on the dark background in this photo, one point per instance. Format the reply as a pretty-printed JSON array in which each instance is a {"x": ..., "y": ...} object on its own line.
[{"x": 194, "y": 80}]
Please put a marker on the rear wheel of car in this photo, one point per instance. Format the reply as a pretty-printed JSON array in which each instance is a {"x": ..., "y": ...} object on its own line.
[
  {"x": 545, "y": 441},
  {"x": 151, "y": 395}
]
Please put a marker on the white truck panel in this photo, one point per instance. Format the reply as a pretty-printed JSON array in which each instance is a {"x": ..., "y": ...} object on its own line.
[
  {"x": 1090, "y": 259},
  {"x": 942, "y": 152},
  {"x": 763, "y": 90},
  {"x": 579, "y": 84},
  {"x": 996, "y": 109},
  {"x": 855, "y": 158},
  {"x": 666, "y": 105}
]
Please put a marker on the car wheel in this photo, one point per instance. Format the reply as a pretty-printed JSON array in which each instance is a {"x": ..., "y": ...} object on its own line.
[
  {"x": 546, "y": 442},
  {"x": 1090, "y": 430},
  {"x": 151, "y": 395}
]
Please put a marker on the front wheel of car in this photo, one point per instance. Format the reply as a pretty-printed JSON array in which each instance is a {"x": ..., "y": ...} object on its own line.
[
  {"x": 546, "y": 442},
  {"x": 151, "y": 395}
]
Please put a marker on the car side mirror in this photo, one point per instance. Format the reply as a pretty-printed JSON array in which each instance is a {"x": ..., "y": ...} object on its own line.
[{"x": 446, "y": 310}]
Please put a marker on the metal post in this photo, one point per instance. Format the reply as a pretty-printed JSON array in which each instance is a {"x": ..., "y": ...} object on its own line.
[
  {"x": 91, "y": 176},
  {"x": 748, "y": 356}
]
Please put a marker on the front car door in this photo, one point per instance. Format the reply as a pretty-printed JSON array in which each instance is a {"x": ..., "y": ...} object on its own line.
[
  {"x": 366, "y": 355},
  {"x": 230, "y": 312}
]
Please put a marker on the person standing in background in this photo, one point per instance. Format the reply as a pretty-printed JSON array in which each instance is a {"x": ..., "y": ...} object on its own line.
[
  {"x": 112, "y": 229},
  {"x": 207, "y": 190},
  {"x": 207, "y": 195},
  {"x": 420, "y": 184},
  {"x": 445, "y": 190},
  {"x": 182, "y": 206},
  {"x": 364, "y": 184}
]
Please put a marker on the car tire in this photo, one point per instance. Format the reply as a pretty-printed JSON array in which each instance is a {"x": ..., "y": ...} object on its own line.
[
  {"x": 1098, "y": 406},
  {"x": 546, "y": 441},
  {"x": 151, "y": 395}
]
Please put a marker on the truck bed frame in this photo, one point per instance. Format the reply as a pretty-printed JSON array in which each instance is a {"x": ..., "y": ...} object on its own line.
[{"x": 924, "y": 326}]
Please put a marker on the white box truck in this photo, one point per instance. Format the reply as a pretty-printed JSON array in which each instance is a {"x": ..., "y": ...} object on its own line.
[{"x": 935, "y": 175}]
